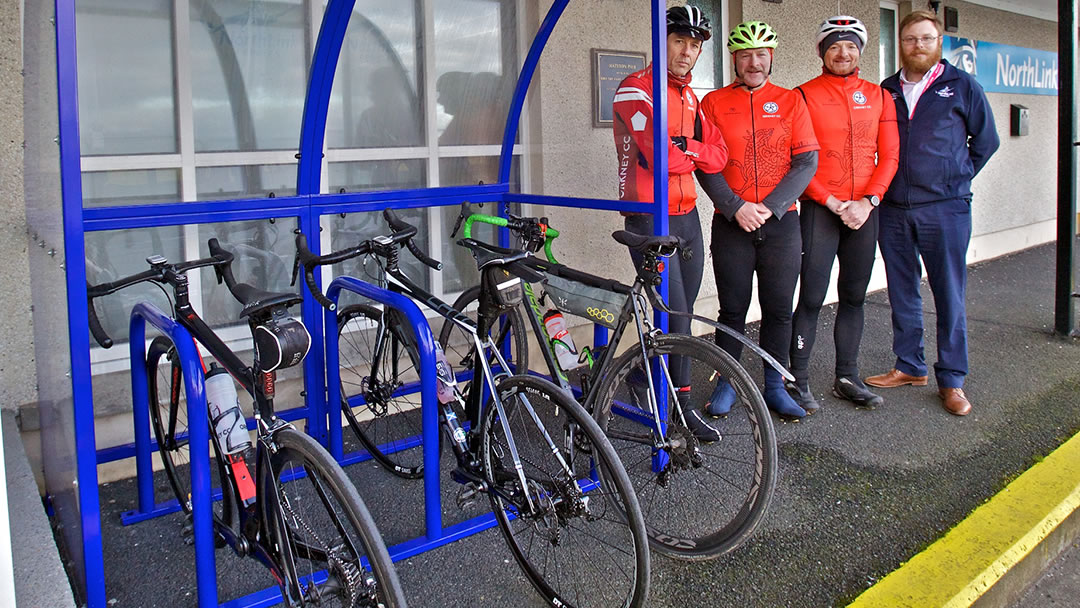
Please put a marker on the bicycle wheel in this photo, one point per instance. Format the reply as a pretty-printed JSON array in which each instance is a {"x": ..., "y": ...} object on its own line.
[
  {"x": 510, "y": 331},
  {"x": 327, "y": 542},
  {"x": 574, "y": 526},
  {"x": 706, "y": 499},
  {"x": 168, "y": 418},
  {"x": 378, "y": 407}
]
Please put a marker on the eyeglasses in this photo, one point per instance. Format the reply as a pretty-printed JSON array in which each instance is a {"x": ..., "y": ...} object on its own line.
[{"x": 922, "y": 41}]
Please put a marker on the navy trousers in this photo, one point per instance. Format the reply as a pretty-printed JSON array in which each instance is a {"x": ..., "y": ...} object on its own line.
[{"x": 938, "y": 233}]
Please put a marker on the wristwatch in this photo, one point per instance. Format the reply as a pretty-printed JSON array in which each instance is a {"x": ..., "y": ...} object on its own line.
[{"x": 875, "y": 201}]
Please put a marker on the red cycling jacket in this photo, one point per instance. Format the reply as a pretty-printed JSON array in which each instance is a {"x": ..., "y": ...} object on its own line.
[
  {"x": 766, "y": 127},
  {"x": 855, "y": 121},
  {"x": 705, "y": 149}
]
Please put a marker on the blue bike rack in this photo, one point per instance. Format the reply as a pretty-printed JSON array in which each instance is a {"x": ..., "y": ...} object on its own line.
[
  {"x": 198, "y": 439},
  {"x": 435, "y": 534}
]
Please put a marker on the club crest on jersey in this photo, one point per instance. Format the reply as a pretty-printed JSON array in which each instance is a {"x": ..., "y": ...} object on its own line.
[
  {"x": 858, "y": 97},
  {"x": 770, "y": 107},
  {"x": 945, "y": 92}
]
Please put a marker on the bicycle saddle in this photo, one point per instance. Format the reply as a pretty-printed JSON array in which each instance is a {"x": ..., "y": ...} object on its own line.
[
  {"x": 490, "y": 255},
  {"x": 641, "y": 242},
  {"x": 256, "y": 300}
]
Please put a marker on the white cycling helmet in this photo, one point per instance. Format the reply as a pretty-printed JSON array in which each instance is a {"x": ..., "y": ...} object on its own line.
[{"x": 840, "y": 27}]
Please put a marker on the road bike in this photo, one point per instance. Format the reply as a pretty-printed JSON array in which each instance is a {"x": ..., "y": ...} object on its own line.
[
  {"x": 557, "y": 489},
  {"x": 700, "y": 499},
  {"x": 299, "y": 515}
]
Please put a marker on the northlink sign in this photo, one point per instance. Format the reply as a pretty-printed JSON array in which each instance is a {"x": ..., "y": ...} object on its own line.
[{"x": 1002, "y": 68}]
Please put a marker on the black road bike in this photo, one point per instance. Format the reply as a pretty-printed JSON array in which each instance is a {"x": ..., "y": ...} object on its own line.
[
  {"x": 700, "y": 499},
  {"x": 558, "y": 491},
  {"x": 300, "y": 515}
]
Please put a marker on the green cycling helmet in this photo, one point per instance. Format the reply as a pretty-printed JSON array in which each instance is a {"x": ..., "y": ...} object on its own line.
[{"x": 751, "y": 35}]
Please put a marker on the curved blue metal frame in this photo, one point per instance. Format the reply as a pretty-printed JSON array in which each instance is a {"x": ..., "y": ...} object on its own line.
[
  {"x": 429, "y": 403},
  {"x": 308, "y": 206},
  {"x": 198, "y": 438}
]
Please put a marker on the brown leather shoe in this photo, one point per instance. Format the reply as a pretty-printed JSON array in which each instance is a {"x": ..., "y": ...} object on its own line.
[
  {"x": 954, "y": 401},
  {"x": 894, "y": 378}
]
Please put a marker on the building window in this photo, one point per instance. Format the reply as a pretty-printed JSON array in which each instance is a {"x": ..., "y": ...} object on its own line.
[
  {"x": 210, "y": 100},
  {"x": 887, "y": 39}
]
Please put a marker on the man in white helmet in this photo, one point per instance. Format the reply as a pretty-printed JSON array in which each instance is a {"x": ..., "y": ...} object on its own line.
[{"x": 855, "y": 124}]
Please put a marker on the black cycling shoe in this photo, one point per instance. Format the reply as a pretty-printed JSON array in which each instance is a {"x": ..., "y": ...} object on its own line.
[
  {"x": 853, "y": 390},
  {"x": 803, "y": 396},
  {"x": 703, "y": 431}
]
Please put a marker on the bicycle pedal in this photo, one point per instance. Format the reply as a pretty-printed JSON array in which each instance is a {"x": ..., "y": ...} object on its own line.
[{"x": 468, "y": 496}]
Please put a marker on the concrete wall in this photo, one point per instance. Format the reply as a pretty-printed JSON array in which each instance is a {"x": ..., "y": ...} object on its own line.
[{"x": 17, "y": 375}]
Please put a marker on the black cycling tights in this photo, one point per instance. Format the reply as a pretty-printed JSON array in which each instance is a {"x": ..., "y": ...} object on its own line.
[
  {"x": 825, "y": 237},
  {"x": 684, "y": 276},
  {"x": 773, "y": 253}
]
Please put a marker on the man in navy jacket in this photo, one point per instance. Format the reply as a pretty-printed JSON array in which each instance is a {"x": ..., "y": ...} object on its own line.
[{"x": 947, "y": 134}]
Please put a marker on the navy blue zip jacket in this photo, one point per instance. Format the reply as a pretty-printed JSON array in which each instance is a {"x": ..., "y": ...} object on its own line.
[{"x": 945, "y": 144}]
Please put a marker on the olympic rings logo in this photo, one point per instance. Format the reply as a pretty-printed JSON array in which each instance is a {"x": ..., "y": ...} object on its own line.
[{"x": 600, "y": 314}]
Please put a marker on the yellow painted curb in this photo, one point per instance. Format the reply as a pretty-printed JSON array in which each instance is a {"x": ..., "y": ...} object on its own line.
[{"x": 958, "y": 568}]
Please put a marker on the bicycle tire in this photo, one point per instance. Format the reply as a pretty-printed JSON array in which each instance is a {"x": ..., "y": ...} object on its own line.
[
  {"x": 599, "y": 535},
  {"x": 320, "y": 524},
  {"x": 709, "y": 498},
  {"x": 389, "y": 426},
  {"x": 458, "y": 344},
  {"x": 168, "y": 418}
]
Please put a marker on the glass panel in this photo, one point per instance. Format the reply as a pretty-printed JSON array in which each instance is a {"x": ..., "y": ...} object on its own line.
[
  {"x": 248, "y": 74},
  {"x": 356, "y": 227},
  {"x": 251, "y": 181},
  {"x": 374, "y": 103},
  {"x": 130, "y": 110},
  {"x": 476, "y": 69},
  {"x": 708, "y": 72},
  {"x": 887, "y": 43},
  {"x": 263, "y": 253},
  {"x": 122, "y": 188},
  {"x": 471, "y": 170},
  {"x": 378, "y": 175},
  {"x": 116, "y": 254}
]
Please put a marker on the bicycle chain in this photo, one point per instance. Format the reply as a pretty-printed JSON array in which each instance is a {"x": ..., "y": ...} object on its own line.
[{"x": 353, "y": 576}]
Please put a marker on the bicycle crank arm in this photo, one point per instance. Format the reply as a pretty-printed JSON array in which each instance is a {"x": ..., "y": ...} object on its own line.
[{"x": 741, "y": 338}]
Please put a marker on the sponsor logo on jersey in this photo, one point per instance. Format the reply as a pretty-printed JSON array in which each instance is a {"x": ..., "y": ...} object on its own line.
[{"x": 945, "y": 92}]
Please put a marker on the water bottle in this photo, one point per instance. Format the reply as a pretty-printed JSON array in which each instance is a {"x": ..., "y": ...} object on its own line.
[
  {"x": 560, "y": 338},
  {"x": 225, "y": 412},
  {"x": 444, "y": 388}
]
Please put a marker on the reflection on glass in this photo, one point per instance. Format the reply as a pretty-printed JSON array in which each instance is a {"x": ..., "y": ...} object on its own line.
[
  {"x": 116, "y": 254},
  {"x": 476, "y": 68},
  {"x": 887, "y": 43},
  {"x": 263, "y": 253},
  {"x": 251, "y": 181},
  {"x": 374, "y": 103},
  {"x": 123, "y": 188},
  {"x": 471, "y": 170},
  {"x": 129, "y": 110},
  {"x": 248, "y": 74},
  {"x": 368, "y": 176},
  {"x": 353, "y": 228}
]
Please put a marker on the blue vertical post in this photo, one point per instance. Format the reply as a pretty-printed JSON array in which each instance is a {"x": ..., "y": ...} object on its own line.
[
  {"x": 308, "y": 182},
  {"x": 140, "y": 399},
  {"x": 75, "y": 274},
  {"x": 660, "y": 189}
]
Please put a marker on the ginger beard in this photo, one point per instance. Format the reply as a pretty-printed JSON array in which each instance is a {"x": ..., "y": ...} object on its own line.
[{"x": 920, "y": 60}]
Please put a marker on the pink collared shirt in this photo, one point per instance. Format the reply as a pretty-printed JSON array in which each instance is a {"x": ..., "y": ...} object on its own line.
[{"x": 914, "y": 90}]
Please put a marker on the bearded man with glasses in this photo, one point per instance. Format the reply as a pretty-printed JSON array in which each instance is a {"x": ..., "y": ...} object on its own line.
[{"x": 947, "y": 135}]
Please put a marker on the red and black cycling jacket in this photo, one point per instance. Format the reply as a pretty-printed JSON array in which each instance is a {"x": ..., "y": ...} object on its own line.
[
  {"x": 767, "y": 127},
  {"x": 705, "y": 149},
  {"x": 855, "y": 123}
]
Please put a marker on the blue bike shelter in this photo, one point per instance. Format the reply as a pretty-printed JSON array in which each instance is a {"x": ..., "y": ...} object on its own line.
[{"x": 68, "y": 426}]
